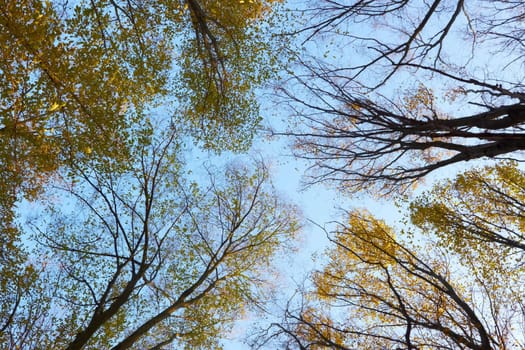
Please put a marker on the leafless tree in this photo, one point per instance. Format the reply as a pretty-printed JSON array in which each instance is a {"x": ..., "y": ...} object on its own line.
[{"x": 413, "y": 86}]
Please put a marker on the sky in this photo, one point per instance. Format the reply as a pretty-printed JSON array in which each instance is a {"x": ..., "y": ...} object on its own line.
[{"x": 321, "y": 205}]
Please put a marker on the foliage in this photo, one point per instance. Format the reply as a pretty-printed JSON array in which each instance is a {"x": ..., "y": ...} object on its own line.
[
  {"x": 128, "y": 253},
  {"x": 76, "y": 75},
  {"x": 228, "y": 55},
  {"x": 378, "y": 291},
  {"x": 479, "y": 214},
  {"x": 438, "y": 83},
  {"x": 140, "y": 259}
]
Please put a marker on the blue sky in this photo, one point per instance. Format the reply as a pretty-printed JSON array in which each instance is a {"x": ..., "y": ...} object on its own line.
[{"x": 320, "y": 204}]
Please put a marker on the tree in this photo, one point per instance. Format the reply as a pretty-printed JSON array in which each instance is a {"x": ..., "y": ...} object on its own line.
[
  {"x": 479, "y": 215},
  {"x": 77, "y": 75},
  {"x": 380, "y": 292},
  {"x": 139, "y": 259},
  {"x": 80, "y": 83},
  {"x": 405, "y": 88},
  {"x": 438, "y": 83}
]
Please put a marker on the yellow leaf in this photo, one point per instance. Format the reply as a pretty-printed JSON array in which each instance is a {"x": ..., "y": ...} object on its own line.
[{"x": 54, "y": 107}]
